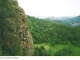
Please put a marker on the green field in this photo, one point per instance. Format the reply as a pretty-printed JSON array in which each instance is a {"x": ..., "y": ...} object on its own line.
[
  {"x": 58, "y": 47},
  {"x": 76, "y": 50}
]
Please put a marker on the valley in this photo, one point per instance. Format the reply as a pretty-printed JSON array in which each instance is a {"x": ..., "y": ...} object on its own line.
[{"x": 54, "y": 38}]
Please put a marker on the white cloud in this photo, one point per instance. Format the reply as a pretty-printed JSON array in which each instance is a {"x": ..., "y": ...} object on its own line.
[{"x": 51, "y": 7}]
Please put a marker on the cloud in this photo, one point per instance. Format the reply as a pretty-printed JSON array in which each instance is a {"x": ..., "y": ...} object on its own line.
[{"x": 51, "y": 7}]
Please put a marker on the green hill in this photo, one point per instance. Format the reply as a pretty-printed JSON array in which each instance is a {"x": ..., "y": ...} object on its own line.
[{"x": 53, "y": 33}]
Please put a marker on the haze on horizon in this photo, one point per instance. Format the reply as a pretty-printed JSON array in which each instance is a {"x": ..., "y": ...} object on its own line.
[{"x": 46, "y": 8}]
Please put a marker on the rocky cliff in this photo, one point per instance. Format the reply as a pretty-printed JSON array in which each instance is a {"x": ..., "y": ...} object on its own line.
[{"x": 15, "y": 38}]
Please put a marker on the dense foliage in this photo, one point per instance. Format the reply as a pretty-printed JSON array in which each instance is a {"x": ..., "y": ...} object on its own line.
[
  {"x": 64, "y": 52},
  {"x": 53, "y": 32},
  {"x": 41, "y": 51},
  {"x": 47, "y": 31}
]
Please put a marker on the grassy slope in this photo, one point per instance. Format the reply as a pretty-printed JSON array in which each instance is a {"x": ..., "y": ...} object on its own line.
[
  {"x": 53, "y": 49},
  {"x": 57, "y": 47},
  {"x": 76, "y": 50}
]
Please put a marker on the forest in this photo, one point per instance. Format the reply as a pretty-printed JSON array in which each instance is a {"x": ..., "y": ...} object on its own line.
[{"x": 52, "y": 38}]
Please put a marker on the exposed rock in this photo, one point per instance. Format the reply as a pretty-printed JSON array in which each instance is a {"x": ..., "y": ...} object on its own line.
[{"x": 15, "y": 38}]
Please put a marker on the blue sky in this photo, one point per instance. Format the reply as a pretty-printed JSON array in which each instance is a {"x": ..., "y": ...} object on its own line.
[{"x": 57, "y": 8}]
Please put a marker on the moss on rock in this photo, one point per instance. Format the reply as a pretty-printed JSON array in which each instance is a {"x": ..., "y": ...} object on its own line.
[{"x": 15, "y": 39}]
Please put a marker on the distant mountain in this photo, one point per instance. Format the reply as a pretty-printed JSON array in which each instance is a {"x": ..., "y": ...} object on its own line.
[
  {"x": 57, "y": 18},
  {"x": 75, "y": 21},
  {"x": 52, "y": 18},
  {"x": 70, "y": 21},
  {"x": 64, "y": 18},
  {"x": 40, "y": 17}
]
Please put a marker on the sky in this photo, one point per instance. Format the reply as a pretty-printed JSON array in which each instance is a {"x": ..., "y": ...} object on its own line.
[{"x": 56, "y": 8}]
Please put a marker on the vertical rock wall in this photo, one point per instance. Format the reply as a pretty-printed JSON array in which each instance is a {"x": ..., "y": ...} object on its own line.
[{"x": 15, "y": 38}]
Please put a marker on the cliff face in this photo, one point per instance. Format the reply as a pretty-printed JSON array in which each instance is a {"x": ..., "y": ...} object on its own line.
[{"x": 15, "y": 38}]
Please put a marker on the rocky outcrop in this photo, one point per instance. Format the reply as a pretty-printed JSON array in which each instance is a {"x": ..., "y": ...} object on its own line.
[{"x": 15, "y": 38}]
